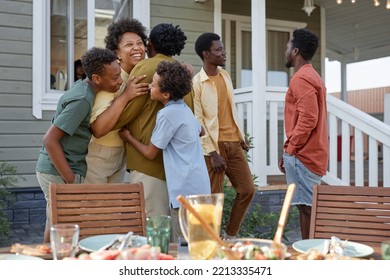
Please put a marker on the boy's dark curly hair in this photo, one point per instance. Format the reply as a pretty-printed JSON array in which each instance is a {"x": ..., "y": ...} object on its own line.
[
  {"x": 306, "y": 41},
  {"x": 174, "y": 79},
  {"x": 116, "y": 29},
  {"x": 167, "y": 39},
  {"x": 94, "y": 59},
  {"x": 204, "y": 43}
]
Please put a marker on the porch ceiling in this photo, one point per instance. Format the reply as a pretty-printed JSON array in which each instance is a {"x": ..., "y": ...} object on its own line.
[{"x": 356, "y": 32}]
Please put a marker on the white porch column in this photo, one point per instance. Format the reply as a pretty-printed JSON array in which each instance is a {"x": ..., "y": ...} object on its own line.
[
  {"x": 259, "y": 72},
  {"x": 344, "y": 92}
]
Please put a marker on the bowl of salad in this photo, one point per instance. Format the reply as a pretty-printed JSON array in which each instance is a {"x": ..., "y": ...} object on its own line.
[{"x": 252, "y": 249}]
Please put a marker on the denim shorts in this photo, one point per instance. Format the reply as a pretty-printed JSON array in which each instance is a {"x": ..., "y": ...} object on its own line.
[{"x": 303, "y": 178}]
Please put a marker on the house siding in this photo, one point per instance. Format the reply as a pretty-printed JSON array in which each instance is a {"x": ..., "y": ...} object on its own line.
[
  {"x": 193, "y": 18},
  {"x": 20, "y": 133},
  {"x": 370, "y": 101}
]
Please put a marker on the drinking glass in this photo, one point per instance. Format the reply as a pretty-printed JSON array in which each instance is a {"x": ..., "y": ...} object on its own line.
[
  {"x": 201, "y": 244},
  {"x": 158, "y": 232},
  {"x": 64, "y": 240},
  {"x": 385, "y": 248}
]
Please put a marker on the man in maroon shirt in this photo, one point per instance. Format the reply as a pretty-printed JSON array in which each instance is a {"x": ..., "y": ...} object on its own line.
[{"x": 305, "y": 158}]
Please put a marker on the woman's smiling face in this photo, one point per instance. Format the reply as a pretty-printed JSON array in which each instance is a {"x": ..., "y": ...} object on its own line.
[{"x": 131, "y": 50}]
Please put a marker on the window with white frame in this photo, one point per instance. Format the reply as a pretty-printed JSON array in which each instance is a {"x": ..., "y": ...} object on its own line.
[{"x": 63, "y": 30}]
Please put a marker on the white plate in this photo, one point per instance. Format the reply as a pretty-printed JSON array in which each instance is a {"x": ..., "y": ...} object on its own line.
[
  {"x": 94, "y": 243},
  {"x": 19, "y": 257},
  {"x": 353, "y": 249}
]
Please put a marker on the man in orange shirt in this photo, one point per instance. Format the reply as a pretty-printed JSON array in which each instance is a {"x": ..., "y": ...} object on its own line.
[{"x": 305, "y": 158}]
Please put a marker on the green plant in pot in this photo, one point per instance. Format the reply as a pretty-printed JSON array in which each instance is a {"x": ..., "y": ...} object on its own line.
[{"x": 8, "y": 178}]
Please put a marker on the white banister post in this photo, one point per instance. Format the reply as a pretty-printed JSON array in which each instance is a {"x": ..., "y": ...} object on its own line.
[
  {"x": 344, "y": 92},
  {"x": 386, "y": 149},
  {"x": 386, "y": 109},
  {"x": 259, "y": 160}
]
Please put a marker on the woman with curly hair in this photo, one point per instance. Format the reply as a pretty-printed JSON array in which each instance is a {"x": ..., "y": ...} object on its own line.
[
  {"x": 177, "y": 134},
  {"x": 165, "y": 41},
  {"x": 106, "y": 152}
]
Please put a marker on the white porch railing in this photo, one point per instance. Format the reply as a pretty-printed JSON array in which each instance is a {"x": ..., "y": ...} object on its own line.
[{"x": 347, "y": 126}]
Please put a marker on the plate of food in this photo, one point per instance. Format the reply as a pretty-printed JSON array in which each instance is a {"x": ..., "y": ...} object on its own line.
[
  {"x": 96, "y": 242},
  {"x": 14, "y": 257},
  {"x": 314, "y": 254},
  {"x": 350, "y": 249},
  {"x": 144, "y": 252},
  {"x": 37, "y": 250},
  {"x": 253, "y": 249}
]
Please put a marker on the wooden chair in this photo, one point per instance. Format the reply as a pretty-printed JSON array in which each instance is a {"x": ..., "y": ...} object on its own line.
[
  {"x": 360, "y": 214},
  {"x": 99, "y": 208}
]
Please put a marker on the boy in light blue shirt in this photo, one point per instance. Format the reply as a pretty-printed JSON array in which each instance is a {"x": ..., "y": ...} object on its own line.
[{"x": 177, "y": 134}]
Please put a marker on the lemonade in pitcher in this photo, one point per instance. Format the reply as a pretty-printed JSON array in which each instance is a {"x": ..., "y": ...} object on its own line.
[{"x": 202, "y": 246}]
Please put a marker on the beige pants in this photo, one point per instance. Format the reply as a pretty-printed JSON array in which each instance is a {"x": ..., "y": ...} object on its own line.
[
  {"x": 105, "y": 164},
  {"x": 156, "y": 193}
]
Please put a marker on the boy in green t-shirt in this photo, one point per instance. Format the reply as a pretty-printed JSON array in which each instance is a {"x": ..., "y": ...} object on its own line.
[{"x": 62, "y": 156}]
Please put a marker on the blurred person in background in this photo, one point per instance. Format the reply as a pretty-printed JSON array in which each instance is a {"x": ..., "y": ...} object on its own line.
[{"x": 78, "y": 71}]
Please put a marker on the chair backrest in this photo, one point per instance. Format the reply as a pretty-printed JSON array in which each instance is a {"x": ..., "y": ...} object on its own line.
[
  {"x": 99, "y": 208},
  {"x": 360, "y": 214}
]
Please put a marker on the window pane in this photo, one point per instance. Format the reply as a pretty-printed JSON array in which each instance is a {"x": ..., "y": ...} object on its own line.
[
  {"x": 58, "y": 44},
  {"x": 246, "y": 62},
  {"x": 61, "y": 45},
  {"x": 246, "y": 50},
  {"x": 277, "y": 73},
  {"x": 104, "y": 13},
  {"x": 107, "y": 12}
]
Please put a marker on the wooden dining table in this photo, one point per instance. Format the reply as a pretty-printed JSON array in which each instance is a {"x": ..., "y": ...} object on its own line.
[{"x": 182, "y": 252}]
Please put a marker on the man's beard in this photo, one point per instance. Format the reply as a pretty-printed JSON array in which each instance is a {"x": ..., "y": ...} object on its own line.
[{"x": 288, "y": 64}]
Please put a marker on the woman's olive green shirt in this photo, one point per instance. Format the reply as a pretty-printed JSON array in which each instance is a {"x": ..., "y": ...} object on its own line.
[{"x": 139, "y": 117}]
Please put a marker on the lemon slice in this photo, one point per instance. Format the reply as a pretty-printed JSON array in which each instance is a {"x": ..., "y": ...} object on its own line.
[{"x": 203, "y": 250}]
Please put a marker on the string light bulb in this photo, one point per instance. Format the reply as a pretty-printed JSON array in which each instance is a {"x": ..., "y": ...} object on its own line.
[
  {"x": 308, "y": 6},
  {"x": 375, "y": 2}
]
